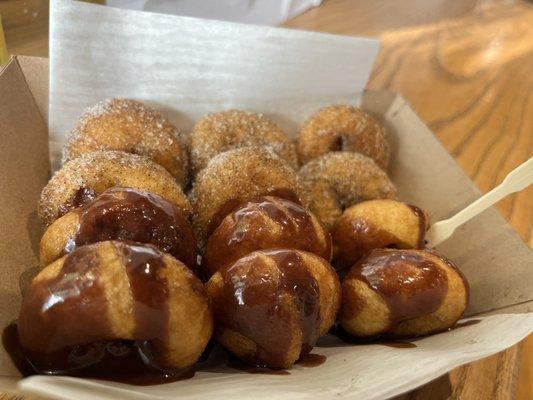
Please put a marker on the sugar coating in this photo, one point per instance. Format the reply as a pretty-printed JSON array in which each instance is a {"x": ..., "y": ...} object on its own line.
[
  {"x": 338, "y": 180},
  {"x": 226, "y": 130},
  {"x": 130, "y": 126},
  {"x": 239, "y": 175},
  {"x": 343, "y": 128},
  {"x": 101, "y": 170}
]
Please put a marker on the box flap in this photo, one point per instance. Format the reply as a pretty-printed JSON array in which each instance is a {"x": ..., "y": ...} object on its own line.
[
  {"x": 36, "y": 73},
  {"x": 24, "y": 163}
]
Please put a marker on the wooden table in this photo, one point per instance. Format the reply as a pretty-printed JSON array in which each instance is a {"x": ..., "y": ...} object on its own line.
[{"x": 466, "y": 67}]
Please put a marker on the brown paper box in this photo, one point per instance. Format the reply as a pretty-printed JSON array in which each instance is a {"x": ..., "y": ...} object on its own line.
[{"x": 494, "y": 259}]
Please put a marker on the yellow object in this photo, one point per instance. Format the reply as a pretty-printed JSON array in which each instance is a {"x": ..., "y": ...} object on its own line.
[{"x": 3, "y": 48}]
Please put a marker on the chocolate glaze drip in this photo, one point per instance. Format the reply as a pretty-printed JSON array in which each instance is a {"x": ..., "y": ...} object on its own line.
[
  {"x": 422, "y": 224},
  {"x": 260, "y": 305},
  {"x": 250, "y": 230},
  {"x": 408, "y": 282},
  {"x": 58, "y": 312},
  {"x": 232, "y": 204},
  {"x": 63, "y": 326},
  {"x": 355, "y": 237},
  {"x": 312, "y": 360},
  {"x": 83, "y": 196},
  {"x": 138, "y": 216},
  {"x": 150, "y": 306}
]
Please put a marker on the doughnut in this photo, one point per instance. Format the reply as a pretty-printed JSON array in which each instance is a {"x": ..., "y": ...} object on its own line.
[
  {"x": 82, "y": 179},
  {"x": 122, "y": 214},
  {"x": 402, "y": 293},
  {"x": 340, "y": 179},
  {"x": 132, "y": 127},
  {"x": 271, "y": 306},
  {"x": 226, "y": 130},
  {"x": 112, "y": 293},
  {"x": 236, "y": 176},
  {"x": 265, "y": 222},
  {"x": 343, "y": 128},
  {"x": 375, "y": 224}
]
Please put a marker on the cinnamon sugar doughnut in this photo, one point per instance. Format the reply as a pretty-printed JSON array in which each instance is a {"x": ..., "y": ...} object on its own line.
[
  {"x": 130, "y": 126},
  {"x": 82, "y": 179},
  {"x": 226, "y": 130},
  {"x": 337, "y": 180},
  {"x": 343, "y": 128},
  {"x": 236, "y": 176}
]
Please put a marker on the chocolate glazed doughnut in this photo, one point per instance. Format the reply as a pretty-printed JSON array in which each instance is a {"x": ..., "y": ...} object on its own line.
[
  {"x": 375, "y": 224},
  {"x": 402, "y": 293},
  {"x": 130, "y": 296},
  {"x": 264, "y": 223},
  {"x": 122, "y": 214},
  {"x": 271, "y": 306}
]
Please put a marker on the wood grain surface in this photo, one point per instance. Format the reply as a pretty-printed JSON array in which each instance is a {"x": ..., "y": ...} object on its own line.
[{"x": 466, "y": 67}]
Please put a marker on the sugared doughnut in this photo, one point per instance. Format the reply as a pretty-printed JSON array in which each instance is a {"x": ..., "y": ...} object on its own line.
[
  {"x": 122, "y": 214},
  {"x": 343, "y": 128},
  {"x": 227, "y": 130},
  {"x": 236, "y": 176},
  {"x": 132, "y": 127},
  {"x": 82, "y": 179},
  {"x": 375, "y": 224},
  {"x": 271, "y": 306},
  {"x": 111, "y": 292},
  {"x": 264, "y": 223},
  {"x": 402, "y": 293},
  {"x": 340, "y": 179}
]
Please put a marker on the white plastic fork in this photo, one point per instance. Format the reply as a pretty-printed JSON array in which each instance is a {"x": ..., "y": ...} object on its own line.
[{"x": 518, "y": 179}]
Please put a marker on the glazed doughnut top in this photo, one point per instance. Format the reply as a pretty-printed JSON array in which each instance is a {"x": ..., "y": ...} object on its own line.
[
  {"x": 264, "y": 223},
  {"x": 410, "y": 283},
  {"x": 138, "y": 216},
  {"x": 245, "y": 304}
]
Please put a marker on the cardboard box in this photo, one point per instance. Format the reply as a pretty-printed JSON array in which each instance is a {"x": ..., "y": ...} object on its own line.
[{"x": 496, "y": 262}]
